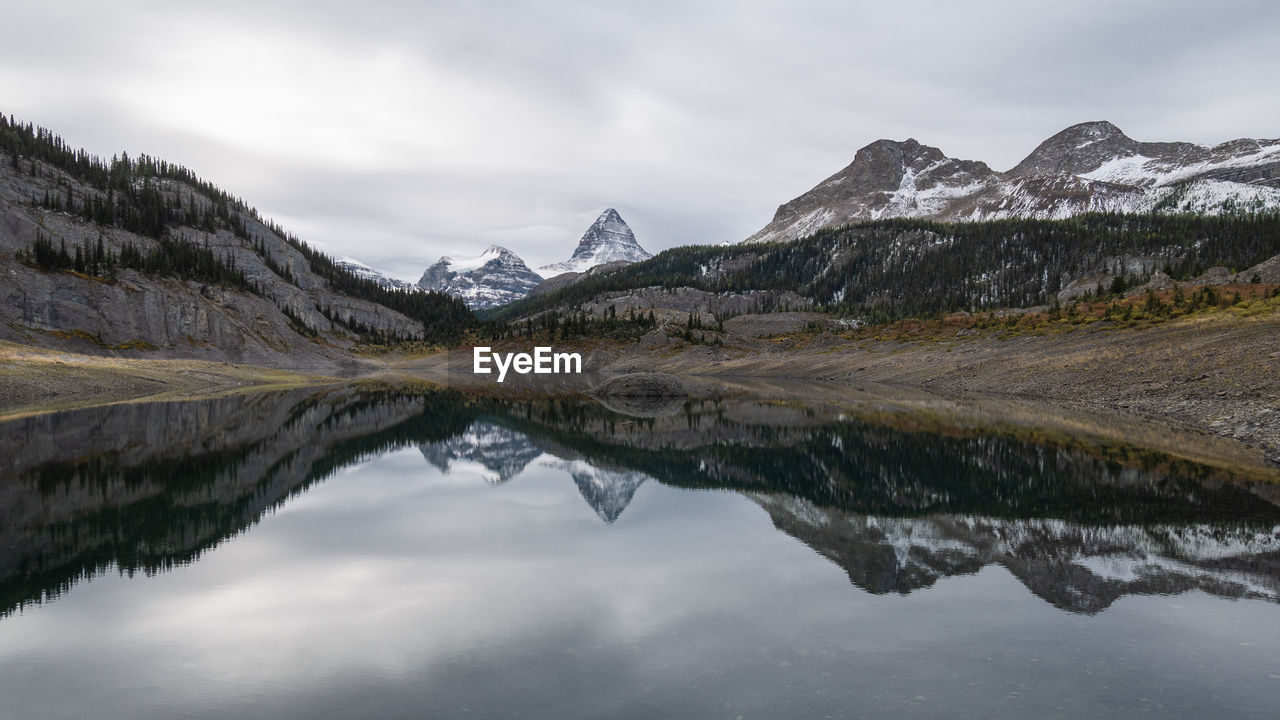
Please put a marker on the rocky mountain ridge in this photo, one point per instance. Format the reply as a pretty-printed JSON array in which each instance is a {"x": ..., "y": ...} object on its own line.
[{"x": 1090, "y": 167}]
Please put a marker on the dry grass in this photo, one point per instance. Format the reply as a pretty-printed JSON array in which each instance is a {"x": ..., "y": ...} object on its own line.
[
  {"x": 35, "y": 380},
  {"x": 1141, "y": 311}
]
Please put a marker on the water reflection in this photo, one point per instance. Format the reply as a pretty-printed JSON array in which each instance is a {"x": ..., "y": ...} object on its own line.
[
  {"x": 502, "y": 453},
  {"x": 146, "y": 487}
]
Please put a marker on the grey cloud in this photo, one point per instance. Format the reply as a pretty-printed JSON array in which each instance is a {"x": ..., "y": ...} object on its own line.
[{"x": 398, "y": 132}]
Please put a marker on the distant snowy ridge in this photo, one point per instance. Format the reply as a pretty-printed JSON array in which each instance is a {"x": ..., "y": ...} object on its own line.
[
  {"x": 361, "y": 270},
  {"x": 496, "y": 277},
  {"x": 1090, "y": 167},
  {"x": 609, "y": 239}
]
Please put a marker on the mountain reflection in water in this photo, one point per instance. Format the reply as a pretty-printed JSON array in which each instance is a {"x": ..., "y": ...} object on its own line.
[{"x": 145, "y": 487}]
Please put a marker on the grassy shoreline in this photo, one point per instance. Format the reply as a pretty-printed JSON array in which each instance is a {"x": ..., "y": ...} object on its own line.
[
  {"x": 35, "y": 380},
  {"x": 1214, "y": 373}
]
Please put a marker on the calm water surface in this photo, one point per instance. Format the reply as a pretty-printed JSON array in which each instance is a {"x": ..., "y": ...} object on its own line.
[{"x": 362, "y": 554}]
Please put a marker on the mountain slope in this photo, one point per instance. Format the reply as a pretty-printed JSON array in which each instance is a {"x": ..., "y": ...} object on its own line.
[
  {"x": 497, "y": 277},
  {"x": 140, "y": 254},
  {"x": 1090, "y": 167},
  {"x": 609, "y": 239}
]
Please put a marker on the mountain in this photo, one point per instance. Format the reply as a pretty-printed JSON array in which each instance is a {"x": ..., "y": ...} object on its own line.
[
  {"x": 360, "y": 270},
  {"x": 141, "y": 255},
  {"x": 608, "y": 240},
  {"x": 497, "y": 277},
  {"x": 1090, "y": 167}
]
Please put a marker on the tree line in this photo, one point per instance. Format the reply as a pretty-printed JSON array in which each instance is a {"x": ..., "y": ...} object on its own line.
[{"x": 171, "y": 257}]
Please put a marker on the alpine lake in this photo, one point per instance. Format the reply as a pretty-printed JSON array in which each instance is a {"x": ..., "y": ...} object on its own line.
[{"x": 384, "y": 551}]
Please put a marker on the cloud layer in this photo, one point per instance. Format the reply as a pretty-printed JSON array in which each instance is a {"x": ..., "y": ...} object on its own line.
[{"x": 397, "y": 132}]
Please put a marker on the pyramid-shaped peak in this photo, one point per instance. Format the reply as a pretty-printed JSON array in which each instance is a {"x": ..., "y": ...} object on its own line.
[
  {"x": 611, "y": 221},
  {"x": 609, "y": 231},
  {"x": 609, "y": 239}
]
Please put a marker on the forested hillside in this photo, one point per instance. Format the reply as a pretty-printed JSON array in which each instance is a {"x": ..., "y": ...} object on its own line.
[
  {"x": 895, "y": 268},
  {"x": 67, "y": 211}
]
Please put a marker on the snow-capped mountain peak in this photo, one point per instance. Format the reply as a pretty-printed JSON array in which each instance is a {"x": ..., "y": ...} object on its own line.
[
  {"x": 609, "y": 239},
  {"x": 495, "y": 277}
]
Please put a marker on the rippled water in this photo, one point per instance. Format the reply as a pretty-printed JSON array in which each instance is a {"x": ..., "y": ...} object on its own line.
[{"x": 378, "y": 553}]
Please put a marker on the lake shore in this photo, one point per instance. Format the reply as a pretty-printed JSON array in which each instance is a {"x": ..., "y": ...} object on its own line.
[
  {"x": 37, "y": 380},
  {"x": 1216, "y": 377},
  {"x": 1219, "y": 375}
]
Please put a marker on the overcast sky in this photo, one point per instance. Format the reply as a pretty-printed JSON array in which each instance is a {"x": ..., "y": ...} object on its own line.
[{"x": 397, "y": 132}]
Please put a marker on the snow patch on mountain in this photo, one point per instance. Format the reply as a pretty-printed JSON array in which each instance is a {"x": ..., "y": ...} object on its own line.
[
  {"x": 1214, "y": 196},
  {"x": 1143, "y": 171}
]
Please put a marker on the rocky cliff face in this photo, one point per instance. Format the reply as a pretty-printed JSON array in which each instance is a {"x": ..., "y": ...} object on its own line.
[
  {"x": 497, "y": 277},
  {"x": 1090, "y": 167},
  {"x": 608, "y": 240},
  {"x": 295, "y": 317}
]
